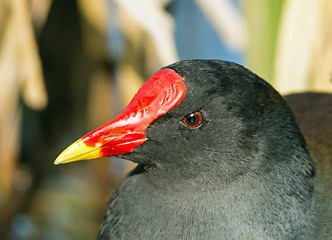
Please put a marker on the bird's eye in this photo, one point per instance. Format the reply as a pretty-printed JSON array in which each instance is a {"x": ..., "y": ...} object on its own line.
[{"x": 193, "y": 120}]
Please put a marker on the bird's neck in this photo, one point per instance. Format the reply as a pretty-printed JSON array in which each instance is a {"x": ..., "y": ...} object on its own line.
[{"x": 251, "y": 207}]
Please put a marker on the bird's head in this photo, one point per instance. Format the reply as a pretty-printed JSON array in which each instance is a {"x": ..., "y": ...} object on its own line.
[{"x": 191, "y": 117}]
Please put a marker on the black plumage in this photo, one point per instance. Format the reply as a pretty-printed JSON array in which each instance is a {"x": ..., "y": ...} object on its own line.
[{"x": 244, "y": 173}]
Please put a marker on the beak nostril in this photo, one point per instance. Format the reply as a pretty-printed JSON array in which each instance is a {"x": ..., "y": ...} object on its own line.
[{"x": 111, "y": 136}]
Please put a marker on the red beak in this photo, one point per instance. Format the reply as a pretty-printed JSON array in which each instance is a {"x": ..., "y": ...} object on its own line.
[{"x": 162, "y": 92}]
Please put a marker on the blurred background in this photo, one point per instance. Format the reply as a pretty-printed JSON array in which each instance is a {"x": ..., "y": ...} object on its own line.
[{"x": 68, "y": 66}]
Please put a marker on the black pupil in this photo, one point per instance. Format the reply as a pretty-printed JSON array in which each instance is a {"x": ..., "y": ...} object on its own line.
[{"x": 192, "y": 119}]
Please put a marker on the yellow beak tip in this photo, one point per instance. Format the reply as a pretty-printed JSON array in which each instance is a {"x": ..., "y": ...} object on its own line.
[
  {"x": 58, "y": 161},
  {"x": 76, "y": 152}
]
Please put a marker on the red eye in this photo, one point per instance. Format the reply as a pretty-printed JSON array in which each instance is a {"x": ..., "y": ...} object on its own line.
[{"x": 193, "y": 120}]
